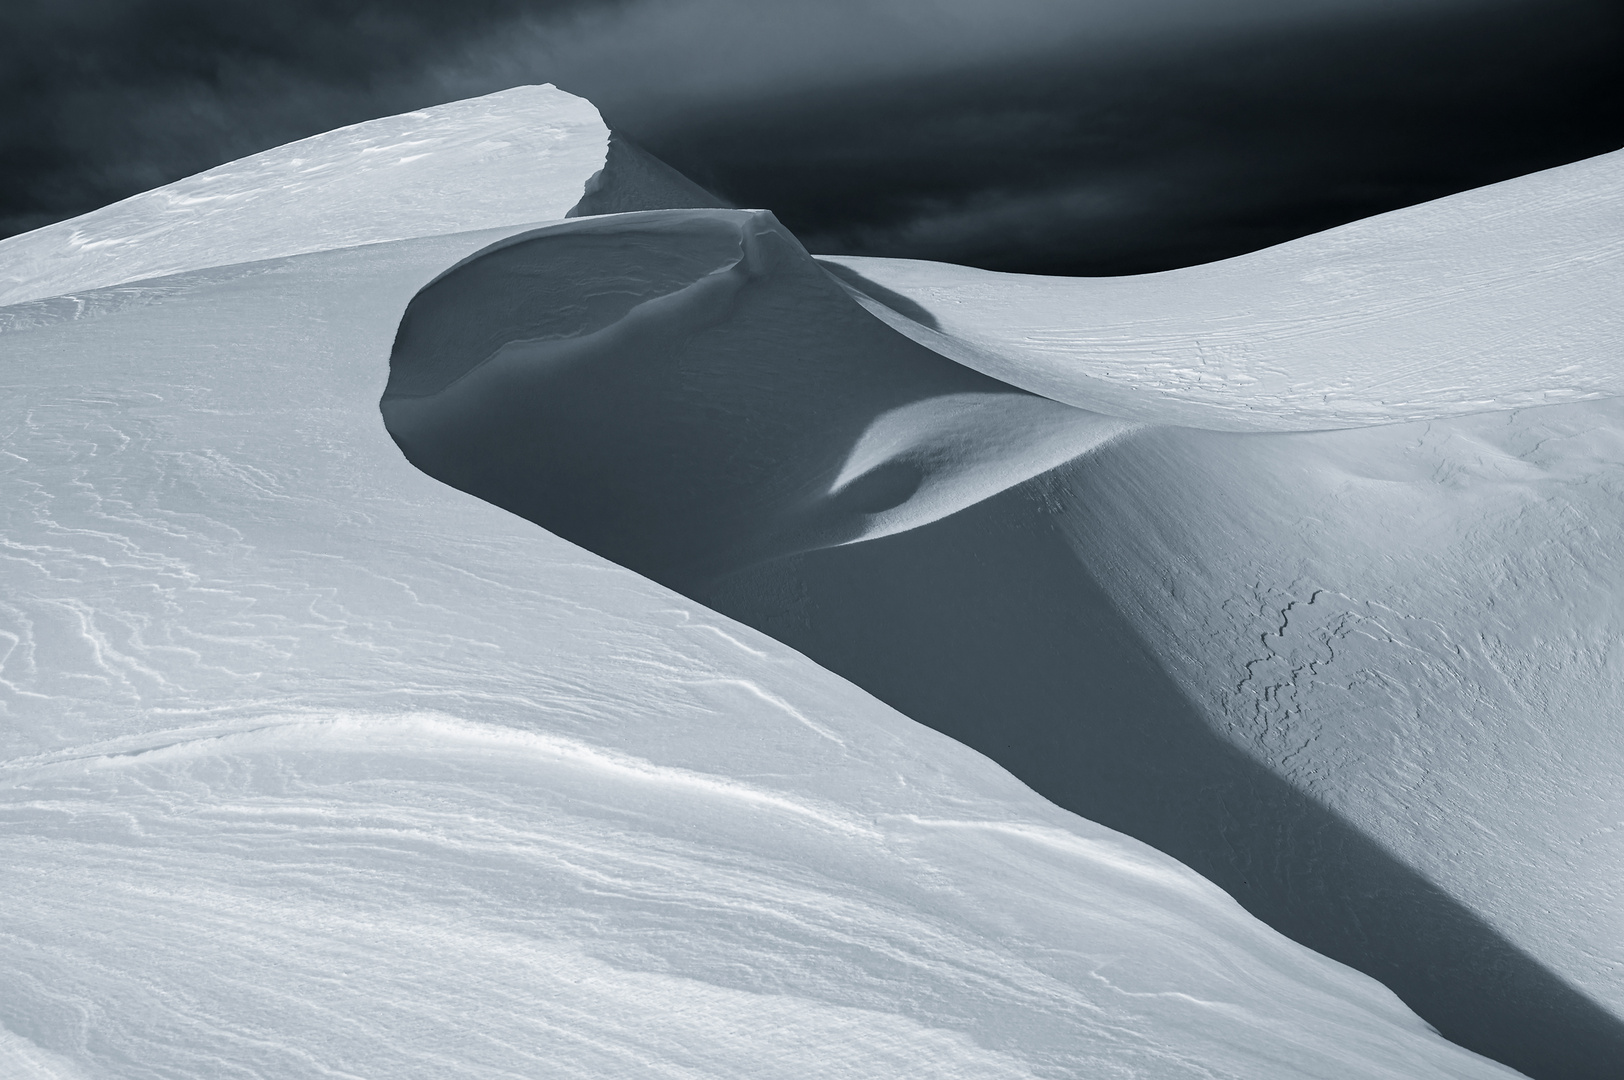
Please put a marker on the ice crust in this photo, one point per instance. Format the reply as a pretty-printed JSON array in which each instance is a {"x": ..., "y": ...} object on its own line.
[
  {"x": 314, "y": 766},
  {"x": 1366, "y": 679}
]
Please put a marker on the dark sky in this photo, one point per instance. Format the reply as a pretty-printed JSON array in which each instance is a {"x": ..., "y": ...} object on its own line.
[{"x": 1061, "y": 136}]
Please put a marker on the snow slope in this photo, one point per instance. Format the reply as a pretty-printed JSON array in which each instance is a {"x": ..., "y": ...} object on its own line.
[
  {"x": 1366, "y": 679},
  {"x": 509, "y": 157},
  {"x": 313, "y": 766},
  {"x": 1495, "y": 299}
]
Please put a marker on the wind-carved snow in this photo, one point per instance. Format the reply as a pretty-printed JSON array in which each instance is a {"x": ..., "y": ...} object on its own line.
[
  {"x": 926, "y": 460},
  {"x": 549, "y": 345},
  {"x": 1434, "y": 647},
  {"x": 1499, "y": 298},
  {"x": 517, "y": 156},
  {"x": 1364, "y": 679},
  {"x": 313, "y": 766}
]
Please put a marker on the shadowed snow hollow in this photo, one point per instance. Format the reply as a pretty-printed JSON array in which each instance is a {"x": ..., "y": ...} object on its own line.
[{"x": 646, "y": 384}]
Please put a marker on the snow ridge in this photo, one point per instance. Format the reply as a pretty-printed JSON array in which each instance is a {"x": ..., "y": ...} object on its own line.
[
  {"x": 1500, "y": 298},
  {"x": 313, "y": 766},
  {"x": 504, "y": 159}
]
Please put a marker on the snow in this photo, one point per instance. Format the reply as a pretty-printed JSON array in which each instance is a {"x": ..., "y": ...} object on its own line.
[
  {"x": 507, "y": 158},
  {"x": 1500, "y": 298},
  {"x": 551, "y": 351},
  {"x": 1366, "y": 679},
  {"x": 314, "y": 766},
  {"x": 1418, "y": 620}
]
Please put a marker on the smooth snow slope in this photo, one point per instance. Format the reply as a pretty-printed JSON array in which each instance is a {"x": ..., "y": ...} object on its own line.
[
  {"x": 1504, "y": 297},
  {"x": 1366, "y": 680},
  {"x": 313, "y": 766}
]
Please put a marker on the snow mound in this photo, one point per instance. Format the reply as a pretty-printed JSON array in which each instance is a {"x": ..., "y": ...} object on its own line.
[
  {"x": 1343, "y": 674},
  {"x": 314, "y": 766},
  {"x": 1499, "y": 298},
  {"x": 521, "y": 155}
]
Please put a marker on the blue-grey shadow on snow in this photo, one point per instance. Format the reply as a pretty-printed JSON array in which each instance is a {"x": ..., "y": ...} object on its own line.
[
  {"x": 986, "y": 627},
  {"x": 879, "y": 293},
  {"x": 679, "y": 391}
]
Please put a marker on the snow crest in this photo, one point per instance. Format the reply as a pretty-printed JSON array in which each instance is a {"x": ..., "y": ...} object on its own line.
[{"x": 517, "y": 156}]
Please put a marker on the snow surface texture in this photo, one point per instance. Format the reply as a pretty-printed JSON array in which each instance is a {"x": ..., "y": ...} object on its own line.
[
  {"x": 313, "y": 766},
  {"x": 1367, "y": 680}
]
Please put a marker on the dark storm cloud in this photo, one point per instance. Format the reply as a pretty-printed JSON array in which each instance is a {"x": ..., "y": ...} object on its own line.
[
  {"x": 1028, "y": 134},
  {"x": 1111, "y": 161}
]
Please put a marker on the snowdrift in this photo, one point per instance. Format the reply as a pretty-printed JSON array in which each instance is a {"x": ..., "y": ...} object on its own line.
[
  {"x": 1496, "y": 299},
  {"x": 648, "y": 384},
  {"x": 1365, "y": 679},
  {"x": 314, "y": 766}
]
